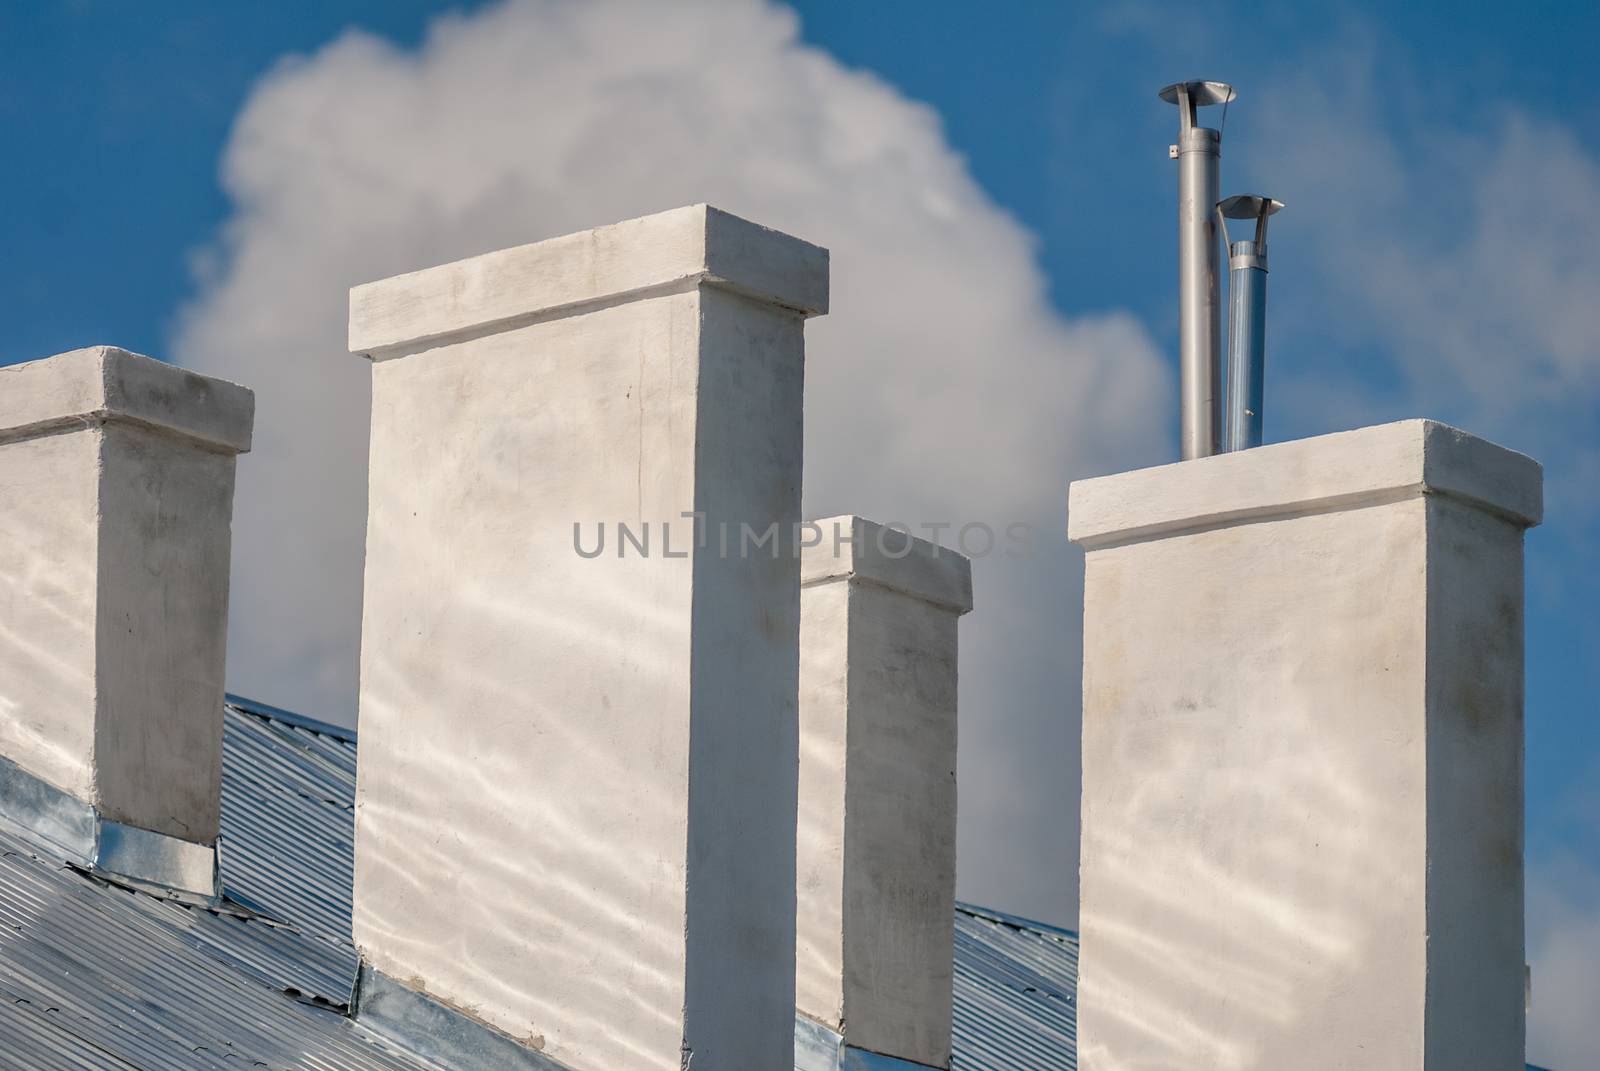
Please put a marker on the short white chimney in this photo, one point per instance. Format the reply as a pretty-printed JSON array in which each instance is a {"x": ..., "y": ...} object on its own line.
[
  {"x": 1302, "y": 756},
  {"x": 877, "y": 848},
  {"x": 576, "y": 798},
  {"x": 116, "y": 501}
]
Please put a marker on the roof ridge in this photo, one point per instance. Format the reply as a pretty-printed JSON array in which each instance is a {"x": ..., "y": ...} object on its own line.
[
  {"x": 289, "y": 717},
  {"x": 1016, "y": 922}
]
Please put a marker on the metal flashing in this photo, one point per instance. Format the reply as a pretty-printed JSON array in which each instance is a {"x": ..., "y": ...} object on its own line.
[
  {"x": 436, "y": 1032},
  {"x": 821, "y": 1048},
  {"x": 816, "y": 1047},
  {"x": 66, "y": 826},
  {"x": 156, "y": 859},
  {"x": 62, "y": 821}
]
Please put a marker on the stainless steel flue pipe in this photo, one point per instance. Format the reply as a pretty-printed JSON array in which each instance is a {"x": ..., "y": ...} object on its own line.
[
  {"x": 1247, "y": 319},
  {"x": 1198, "y": 152}
]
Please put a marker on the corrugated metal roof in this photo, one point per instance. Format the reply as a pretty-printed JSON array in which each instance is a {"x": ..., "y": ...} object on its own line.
[
  {"x": 1016, "y": 985},
  {"x": 1015, "y": 980},
  {"x": 97, "y": 976},
  {"x": 94, "y": 975},
  {"x": 288, "y": 825}
]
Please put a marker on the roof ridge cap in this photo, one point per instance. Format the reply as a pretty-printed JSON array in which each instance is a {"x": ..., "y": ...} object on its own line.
[
  {"x": 289, "y": 717},
  {"x": 1016, "y": 922}
]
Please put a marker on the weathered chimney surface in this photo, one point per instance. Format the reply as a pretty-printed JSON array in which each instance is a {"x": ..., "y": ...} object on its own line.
[
  {"x": 116, "y": 502},
  {"x": 877, "y": 851},
  {"x": 576, "y": 797},
  {"x": 1302, "y": 756}
]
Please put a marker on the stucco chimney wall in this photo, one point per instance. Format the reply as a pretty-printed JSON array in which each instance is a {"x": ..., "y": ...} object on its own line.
[
  {"x": 877, "y": 817},
  {"x": 116, "y": 503},
  {"x": 576, "y": 794},
  {"x": 1302, "y": 756}
]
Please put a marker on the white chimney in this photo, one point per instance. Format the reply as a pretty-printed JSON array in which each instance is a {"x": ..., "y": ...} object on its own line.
[
  {"x": 116, "y": 501},
  {"x": 877, "y": 839},
  {"x": 1302, "y": 756},
  {"x": 576, "y": 797}
]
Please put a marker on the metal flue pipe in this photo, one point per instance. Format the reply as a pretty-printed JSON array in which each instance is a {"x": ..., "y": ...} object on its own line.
[
  {"x": 1198, "y": 152},
  {"x": 1247, "y": 319}
]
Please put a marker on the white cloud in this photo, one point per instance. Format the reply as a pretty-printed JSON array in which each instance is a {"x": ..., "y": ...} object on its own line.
[
  {"x": 1465, "y": 253},
  {"x": 1564, "y": 938},
  {"x": 942, "y": 386}
]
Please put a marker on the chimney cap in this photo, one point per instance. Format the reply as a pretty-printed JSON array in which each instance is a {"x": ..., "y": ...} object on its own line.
[
  {"x": 1201, "y": 94},
  {"x": 890, "y": 558},
  {"x": 100, "y": 384},
  {"x": 679, "y": 249},
  {"x": 1249, "y": 206},
  {"x": 1342, "y": 471}
]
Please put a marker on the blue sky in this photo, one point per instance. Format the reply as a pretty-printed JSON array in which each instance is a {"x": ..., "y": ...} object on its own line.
[
  {"x": 1437, "y": 161},
  {"x": 117, "y": 120}
]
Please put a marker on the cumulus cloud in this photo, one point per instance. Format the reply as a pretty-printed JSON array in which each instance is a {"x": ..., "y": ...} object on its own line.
[
  {"x": 1465, "y": 254},
  {"x": 1564, "y": 950},
  {"x": 943, "y": 386},
  {"x": 1564, "y": 935}
]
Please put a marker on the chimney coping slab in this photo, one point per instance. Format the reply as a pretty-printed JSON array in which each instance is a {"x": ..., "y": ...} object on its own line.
[
  {"x": 104, "y": 383},
  {"x": 665, "y": 252},
  {"x": 1327, "y": 473},
  {"x": 890, "y": 558}
]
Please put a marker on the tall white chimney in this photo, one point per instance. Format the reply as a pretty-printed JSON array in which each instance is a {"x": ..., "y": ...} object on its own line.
[
  {"x": 877, "y": 851},
  {"x": 1302, "y": 756},
  {"x": 116, "y": 505},
  {"x": 576, "y": 798}
]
